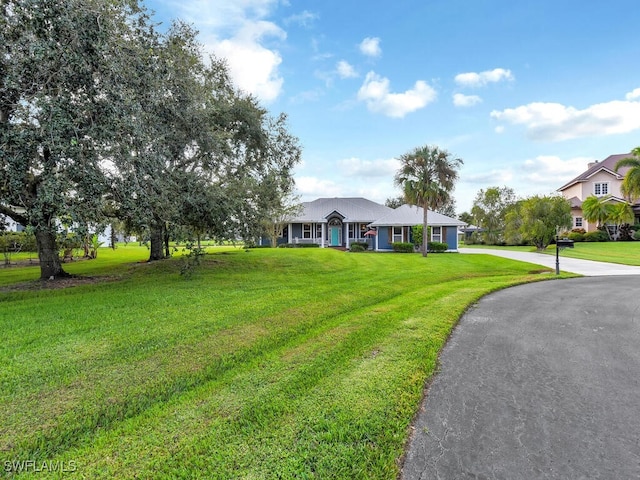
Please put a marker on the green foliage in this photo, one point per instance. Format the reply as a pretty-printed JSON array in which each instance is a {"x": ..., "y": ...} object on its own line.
[
  {"x": 541, "y": 217},
  {"x": 576, "y": 236},
  {"x": 355, "y": 247},
  {"x": 489, "y": 212},
  {"x": 192, "y": 260},
  {"x": 437, "y": 247},
  {"x": 364, "y": 245},
  {"x": 631, "y": 182},
  {"x": 403, "y": 247},
  {"x": 596, "y": 236}
]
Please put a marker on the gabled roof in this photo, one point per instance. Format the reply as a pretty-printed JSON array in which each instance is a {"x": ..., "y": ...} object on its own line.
[
  {"x": 408, "y": 215},
  {"x": 607, "y": 165},
  {"x": 355, "y": 209}
]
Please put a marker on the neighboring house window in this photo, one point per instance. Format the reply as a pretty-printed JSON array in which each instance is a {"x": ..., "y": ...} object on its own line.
[
  {"x": 436, "y": 234},
  {"x": 578, "y": 222},
  {"x": 397, "y": 234},
  {"x": 306, "y": 230},
  {"x": 600, "y": 189}
]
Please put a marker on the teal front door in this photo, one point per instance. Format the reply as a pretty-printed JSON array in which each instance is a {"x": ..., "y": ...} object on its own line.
[{"x": 335, "y": 236}]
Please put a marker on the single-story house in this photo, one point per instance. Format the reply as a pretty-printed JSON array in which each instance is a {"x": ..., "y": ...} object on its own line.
[{"x": 338, "y": 222}]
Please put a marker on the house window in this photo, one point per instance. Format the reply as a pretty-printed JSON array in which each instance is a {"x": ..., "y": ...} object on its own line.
[
  {"x": 397, "y": 234},
  {"x": 436, "y": 234},
  {"x": 318, "y": 230},
  {"x": 306, "y": 230},
  {"x": 578, "y": 222},
  {"x": 352, "y": 231},
  {"x": 600, "y": 189}
]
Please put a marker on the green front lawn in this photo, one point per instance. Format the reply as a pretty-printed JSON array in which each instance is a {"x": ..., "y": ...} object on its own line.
[
  {"x": 305, "y": 363},
  {"x": 626, "y": 253}
]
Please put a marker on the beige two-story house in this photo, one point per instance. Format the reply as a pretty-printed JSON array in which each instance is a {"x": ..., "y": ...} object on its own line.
[{"x": 599, "y": 179}]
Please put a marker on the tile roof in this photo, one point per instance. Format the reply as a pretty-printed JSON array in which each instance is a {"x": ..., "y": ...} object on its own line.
[{"x": 608, "y": 164}]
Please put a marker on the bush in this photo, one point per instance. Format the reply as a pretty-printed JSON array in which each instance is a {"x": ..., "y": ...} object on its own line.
[
  {"x": 579, "y": 230},
  {"x": 636, "y": 235},
  {"x": 18, "y": 242},
  {"x": 597, "y": 236},
  {"x": 364, "y": 245},
  {"x": 403, "y": 247},
  {"x": 437, "y": 247},
  {"x": 576, "y": 236},
  {"x": 356, "y": 247}
]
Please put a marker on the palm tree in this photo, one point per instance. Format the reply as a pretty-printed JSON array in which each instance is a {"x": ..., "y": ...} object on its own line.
[
  {"x": 631, "y": 184},
  {"x": 427, "y": 176},
  {"x": 620, "y": 214},
  {"x": 598, "y": 210}
]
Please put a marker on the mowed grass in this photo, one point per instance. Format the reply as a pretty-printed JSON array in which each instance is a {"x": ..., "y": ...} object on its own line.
[
  {"x": 287, "y": 363},
  {"x": 626, "y": 253}
]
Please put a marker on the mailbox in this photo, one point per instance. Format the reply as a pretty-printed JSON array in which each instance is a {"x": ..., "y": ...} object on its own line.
[{"x": 564, "y": 243}]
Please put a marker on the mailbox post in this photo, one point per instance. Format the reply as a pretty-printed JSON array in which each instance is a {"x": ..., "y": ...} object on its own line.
[{"x": 561, "y": 243}]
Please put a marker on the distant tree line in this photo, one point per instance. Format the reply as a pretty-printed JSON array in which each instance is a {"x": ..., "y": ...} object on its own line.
[{"x": 104, "y": 119}]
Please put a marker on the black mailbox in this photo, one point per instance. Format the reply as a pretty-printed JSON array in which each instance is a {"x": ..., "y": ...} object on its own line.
[{"x": 564, "y": 243}]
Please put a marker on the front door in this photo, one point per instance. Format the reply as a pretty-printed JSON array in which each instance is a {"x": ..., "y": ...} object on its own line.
[{"x": 335, "y": 236}]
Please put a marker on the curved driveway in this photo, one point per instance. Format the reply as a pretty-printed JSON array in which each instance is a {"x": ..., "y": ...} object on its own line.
[{"x": 537, "y": 381}]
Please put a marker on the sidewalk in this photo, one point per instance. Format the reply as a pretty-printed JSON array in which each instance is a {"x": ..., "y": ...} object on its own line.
[{"x": 587, "y": 268}]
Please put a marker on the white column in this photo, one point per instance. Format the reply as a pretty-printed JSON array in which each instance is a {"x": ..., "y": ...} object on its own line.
[
  {"x": 347, "y": 225},
  {"x": 289, "y": 233},
  {"x": 324, "y": 234}
]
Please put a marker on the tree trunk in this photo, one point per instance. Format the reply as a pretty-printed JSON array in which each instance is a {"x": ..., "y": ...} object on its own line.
[
  {"x": 157, "y": 241},
  {"x": 50, "y": 265},
  {"x": 165, "y": 231},
  {"x": 425, "y": 231}
]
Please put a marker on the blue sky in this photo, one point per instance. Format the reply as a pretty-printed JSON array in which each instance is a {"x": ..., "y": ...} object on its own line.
[{"x": 525, "y": 92}]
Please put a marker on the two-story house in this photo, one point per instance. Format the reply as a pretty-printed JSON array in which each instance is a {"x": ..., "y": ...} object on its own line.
[{"x": 599, "y": 179}]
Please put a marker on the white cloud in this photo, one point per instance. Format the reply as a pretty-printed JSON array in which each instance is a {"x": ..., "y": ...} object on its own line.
[
  {"x": 375, "y": 92},
  {"x": 346, "y": 70},
  {"x": 499, "y": 129},
  {"x": 356, "y": 167},
  {"x": 493, "y": 177},
  {"x": 304, "y": 18},
  {"x": 473, "y": 79},
  {"x": 556, "y": 122},
  {"x": 461, "y": 100},
  {"x": 371, "y": 47},
  {"x": 633, "y": 95},
  {"x": 546, "y": 169},
  {"x": 237, "y": 32},
  {"x": 311, "y": 187}
]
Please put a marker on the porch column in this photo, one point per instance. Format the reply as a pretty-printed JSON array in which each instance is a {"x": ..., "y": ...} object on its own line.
[
  {"x": 289, "y": 233},
  {"x": 324, "y": 234},
  {"x": 347, "y": 228}
]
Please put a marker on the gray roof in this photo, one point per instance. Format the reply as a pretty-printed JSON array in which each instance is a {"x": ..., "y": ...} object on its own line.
[
  {"x": 608, "y": 165},
  {"x": 355, "y": 209},
  {"x": 410, "y": 215}
]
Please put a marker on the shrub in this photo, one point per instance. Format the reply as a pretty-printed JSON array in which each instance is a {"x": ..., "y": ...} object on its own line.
[
  {"x": 356, "y": 247},
  {"x": 437, "y": 247},
  {"x": 579, "y": 230},
  {"x": 403, "y": 247},
  {"x": 576, "y": 236},
  {"x": 364, "y": 245},
  {"x": 596, "y": 236},
  {"x": 636, "y": 234}
]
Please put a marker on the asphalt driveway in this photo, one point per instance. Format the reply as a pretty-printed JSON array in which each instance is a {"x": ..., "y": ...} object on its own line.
[{"x": 537, "y": 381}]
